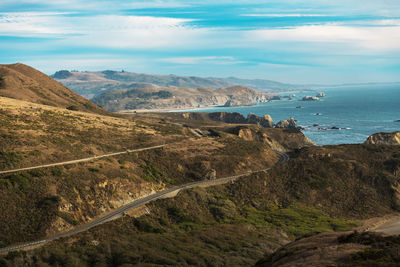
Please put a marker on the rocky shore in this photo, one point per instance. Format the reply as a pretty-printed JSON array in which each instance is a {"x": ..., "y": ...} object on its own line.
[{"x": 264, "y": 121}]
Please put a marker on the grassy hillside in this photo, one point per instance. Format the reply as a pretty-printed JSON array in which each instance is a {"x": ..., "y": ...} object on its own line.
[
  {"x": 320, "y": 189},
  {"x": 42, "y": 202},
  {"x": 22, "y": 82}
]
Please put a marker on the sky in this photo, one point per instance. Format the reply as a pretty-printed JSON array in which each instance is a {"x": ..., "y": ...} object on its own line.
[{"x": 292, "y": 41}]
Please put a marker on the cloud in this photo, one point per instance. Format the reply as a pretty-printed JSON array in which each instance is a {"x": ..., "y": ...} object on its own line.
[
  {"x": 284, "y": 15},
  {"x": 373, "y": 39},
  {"x": 218, "y": 60},
  {"x": 32, "y": 24},
  {"x": 112, "y": 31}
]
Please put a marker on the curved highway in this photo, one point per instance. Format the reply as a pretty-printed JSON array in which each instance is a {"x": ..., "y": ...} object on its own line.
[{"x": 283, "y": 157}]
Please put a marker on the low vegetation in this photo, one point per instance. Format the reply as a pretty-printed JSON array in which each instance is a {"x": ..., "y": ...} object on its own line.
[
  {"x": 199, "y": 227},
  {"x": 381, "y": 251}
]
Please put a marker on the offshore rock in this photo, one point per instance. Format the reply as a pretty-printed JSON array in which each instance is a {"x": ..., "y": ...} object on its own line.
[{"x": 310, "y": 98}]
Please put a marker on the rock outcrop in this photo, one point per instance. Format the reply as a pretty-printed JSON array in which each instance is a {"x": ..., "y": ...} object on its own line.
[
  {"x": 310, "y": 98},
  {"x": 237, "y": 103},
  {"x": 228, "y": 117},
  {"x": 321, "y": 94},
  {"x": 384, "y": 139},
  {"x": 278, "y": 139},
  {"x": 264, "y": 121},
  {"x": 288, "y": 124},
  {"x": 231, "y": 117}
]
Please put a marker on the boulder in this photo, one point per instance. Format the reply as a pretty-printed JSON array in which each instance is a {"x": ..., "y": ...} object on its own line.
[{"x": 384, "y": 139}]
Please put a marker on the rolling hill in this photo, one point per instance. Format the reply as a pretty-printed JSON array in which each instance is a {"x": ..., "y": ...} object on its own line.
[
  {"x": 154, "y": 97},
  {"x": 22, "y": 82},
  {"x": 91, "y": 84}
]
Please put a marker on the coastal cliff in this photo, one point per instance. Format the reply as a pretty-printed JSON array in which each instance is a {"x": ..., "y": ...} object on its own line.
[{"x": 156, "y": 97}]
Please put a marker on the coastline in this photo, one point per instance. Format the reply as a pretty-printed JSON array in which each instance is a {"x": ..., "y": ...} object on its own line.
[{"x": 165, "y": 110}]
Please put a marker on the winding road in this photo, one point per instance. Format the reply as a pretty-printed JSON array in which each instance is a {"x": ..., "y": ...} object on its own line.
[
  {"x": 283, "y": 157},
  {"x": 80, "y": 160}
]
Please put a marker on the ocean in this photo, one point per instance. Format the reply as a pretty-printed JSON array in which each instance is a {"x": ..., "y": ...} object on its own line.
[{"x": 358, "y": 111}]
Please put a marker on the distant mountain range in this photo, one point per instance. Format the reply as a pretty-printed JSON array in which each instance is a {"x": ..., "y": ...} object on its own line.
[
  {"x": 91, "y": 84},
  {"x": 121, "y": 91}
]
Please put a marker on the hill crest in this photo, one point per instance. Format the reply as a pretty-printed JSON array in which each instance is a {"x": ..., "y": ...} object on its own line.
[{"x": 23, "y": 82}]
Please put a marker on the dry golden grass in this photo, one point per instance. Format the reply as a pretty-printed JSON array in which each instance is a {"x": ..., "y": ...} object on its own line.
[{"x": 25, "y": 83}]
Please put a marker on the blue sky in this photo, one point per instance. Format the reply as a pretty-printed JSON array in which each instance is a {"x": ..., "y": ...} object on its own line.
[{"x": 296, "y": 41}]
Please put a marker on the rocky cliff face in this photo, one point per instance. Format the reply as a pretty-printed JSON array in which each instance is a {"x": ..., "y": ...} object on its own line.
[
  {"x": 288, "y": 124},
  {"x": 384, "y": 139},
  {"x": 283, "y": 140},
  {"x": 231, "y": 117}
]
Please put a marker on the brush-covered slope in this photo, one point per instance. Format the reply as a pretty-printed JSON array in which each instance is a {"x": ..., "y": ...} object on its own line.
[
  {"x": 338, "y": 249},
  {"x": 41, "y": 202},
  {"x": 321, "y": 189},
  {"x": 22, "y": 82}
]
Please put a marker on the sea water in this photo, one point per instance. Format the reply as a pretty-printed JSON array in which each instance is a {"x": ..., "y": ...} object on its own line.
[{"x": 358, "y": 111}]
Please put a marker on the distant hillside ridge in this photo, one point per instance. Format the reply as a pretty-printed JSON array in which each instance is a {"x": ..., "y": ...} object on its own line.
[
  {"x": 160, "y": 98},
  {"x": 91, "y": 84},
  {"x": 23, "y": 82}
]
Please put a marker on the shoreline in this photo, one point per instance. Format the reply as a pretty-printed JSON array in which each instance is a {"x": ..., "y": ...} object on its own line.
[{"x": 165, "y": 110}]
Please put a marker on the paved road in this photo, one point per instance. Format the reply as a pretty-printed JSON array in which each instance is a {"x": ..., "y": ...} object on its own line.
[
  {"x": 390, "y": 228},
  {"x": 80, "y": 160},
  {"x": 283, "y": 157}
]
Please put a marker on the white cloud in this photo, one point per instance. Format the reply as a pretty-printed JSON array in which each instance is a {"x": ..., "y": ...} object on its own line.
[
  {"x": 113, "y": 31},
  {"x": 283, "y": 15},
  {"x": 373, "y": 39},
  {"x": 218, "y": 60},
  {"x": 31, "y": 24}
]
